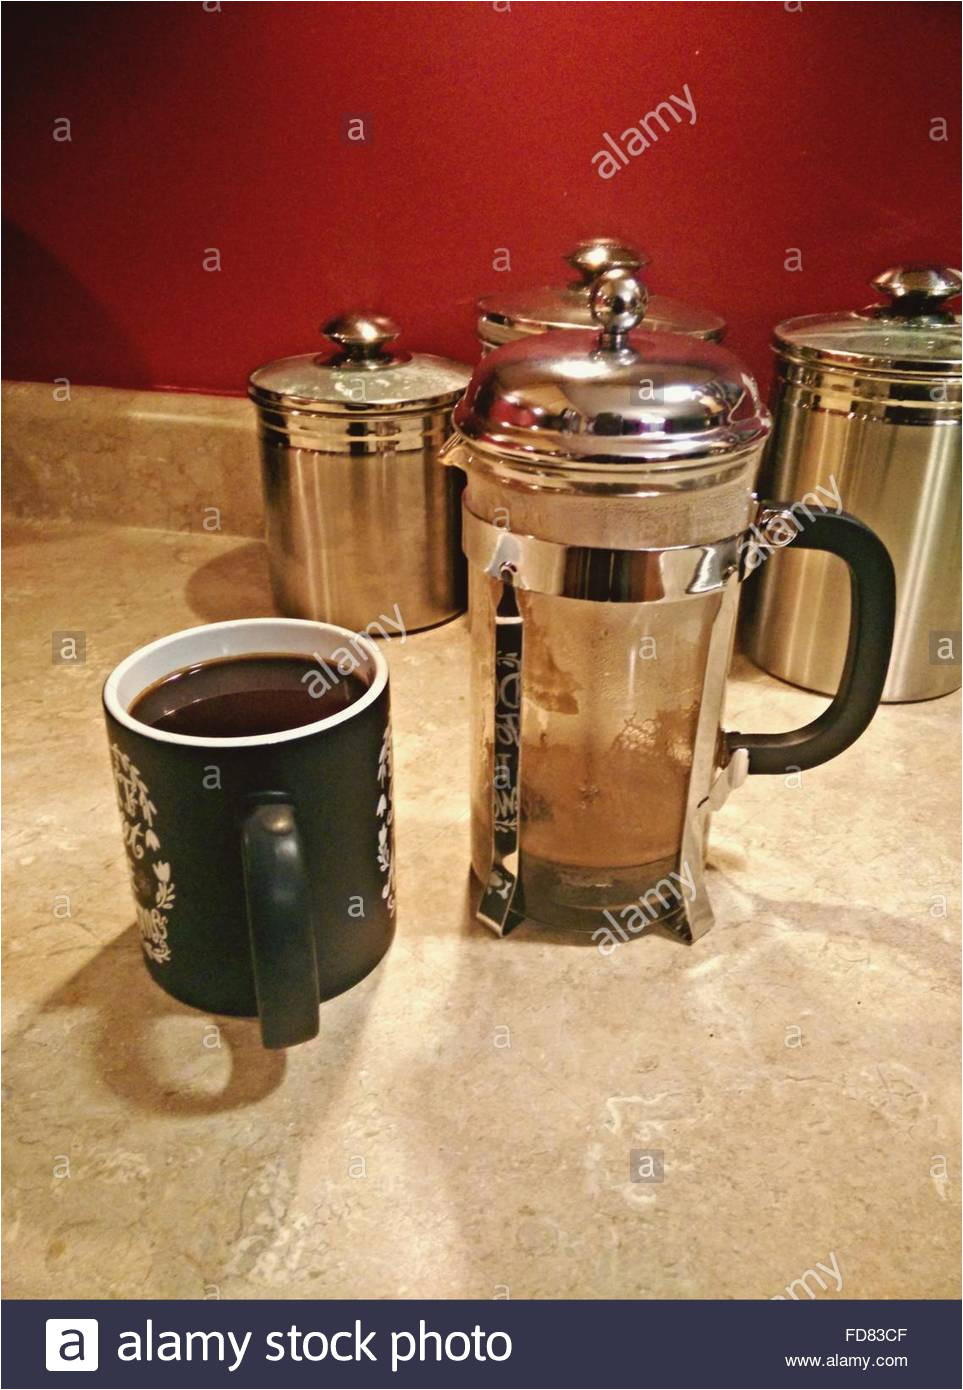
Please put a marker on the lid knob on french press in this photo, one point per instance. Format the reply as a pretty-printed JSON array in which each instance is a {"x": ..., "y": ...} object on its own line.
[
  {"x": 361, "y": 337},
  {"x": 618, "y": 305},
  {"x": 916, "y": 290}
]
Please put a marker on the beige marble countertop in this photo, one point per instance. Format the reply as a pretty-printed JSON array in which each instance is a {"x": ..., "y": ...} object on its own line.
[{"x": 797, "y": 1067}]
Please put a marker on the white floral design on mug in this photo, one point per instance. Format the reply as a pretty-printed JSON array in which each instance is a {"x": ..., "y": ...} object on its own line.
[
  {"x": 385, "y": 814},
  {"x": 149, "y": 874}
]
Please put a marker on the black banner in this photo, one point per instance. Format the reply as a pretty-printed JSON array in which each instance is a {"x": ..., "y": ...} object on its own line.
[{"x": 522, "y": 1346}]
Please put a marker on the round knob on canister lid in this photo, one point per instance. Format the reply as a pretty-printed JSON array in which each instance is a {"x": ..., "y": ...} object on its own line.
[
  {"x": 918, "y": 289},
  {"x": 361, "y": 336},
  {"x": 593, "y": 257},
  {"x": 618, "y": 305}
]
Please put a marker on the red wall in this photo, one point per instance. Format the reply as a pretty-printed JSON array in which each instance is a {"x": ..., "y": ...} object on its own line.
[{"x": 194, "y": 129}]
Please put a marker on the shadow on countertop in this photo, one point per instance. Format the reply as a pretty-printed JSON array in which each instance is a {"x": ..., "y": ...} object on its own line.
[
  {"x": 127, "y": 1011},
  {"x": 235, "y": 584}
]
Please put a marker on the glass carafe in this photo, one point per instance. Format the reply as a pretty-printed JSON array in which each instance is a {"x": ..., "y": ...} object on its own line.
[{"x": 609, "y": 715}]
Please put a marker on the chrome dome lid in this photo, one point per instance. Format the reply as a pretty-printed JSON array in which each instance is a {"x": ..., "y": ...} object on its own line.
[
  {"x": 913, "y": 335},
  {"x": 503, "y": 318},
  {"x": 613, "y": 396},
  {"x": 359, "y": 372}
]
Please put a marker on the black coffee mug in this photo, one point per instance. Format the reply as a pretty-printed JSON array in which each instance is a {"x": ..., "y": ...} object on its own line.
[{"x": 262, "y": 867}]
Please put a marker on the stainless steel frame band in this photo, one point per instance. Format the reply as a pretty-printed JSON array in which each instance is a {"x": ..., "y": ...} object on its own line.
[
  {"x": 596, "y": 574},
  {"x": 501, "y": 902}
]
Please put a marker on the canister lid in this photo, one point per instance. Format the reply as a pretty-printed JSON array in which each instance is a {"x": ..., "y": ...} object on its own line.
[
  {"x": 912, "y": 334},
  {"x": 358, "y": 373},
  {"x": 611, "y": 396},
  {"x": 504, "y": 317}
]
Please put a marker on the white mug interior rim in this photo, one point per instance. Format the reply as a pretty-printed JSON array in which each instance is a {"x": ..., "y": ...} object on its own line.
[{"x": 243, "y": 637}]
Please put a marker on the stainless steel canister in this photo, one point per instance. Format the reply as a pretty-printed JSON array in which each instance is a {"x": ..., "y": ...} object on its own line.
[
  {"x": 867, "y": 419},
  {"x": 502, "y": 318},
  {"x": 362, "y": 520}
]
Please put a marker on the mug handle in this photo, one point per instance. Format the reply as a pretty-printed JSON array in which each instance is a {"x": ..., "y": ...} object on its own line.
[
  {"x": 871, "y": 621},
  {"x": 280, "y": 922}
]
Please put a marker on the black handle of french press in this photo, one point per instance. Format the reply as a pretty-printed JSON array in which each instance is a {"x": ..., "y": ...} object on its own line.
[{"x": 871, "y": 620}]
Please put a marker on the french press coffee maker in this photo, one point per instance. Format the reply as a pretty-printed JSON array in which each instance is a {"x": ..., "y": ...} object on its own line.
[{"x": 608, "y": 519}]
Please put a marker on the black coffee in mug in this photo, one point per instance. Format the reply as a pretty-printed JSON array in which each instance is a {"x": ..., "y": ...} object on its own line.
[
  {"x": 252, "y": 765},
  {"x": 240, "y": 696}
]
